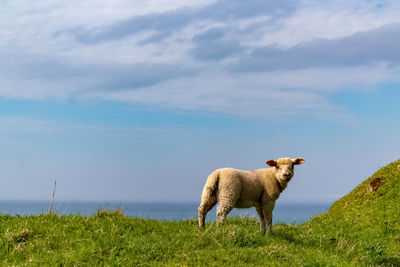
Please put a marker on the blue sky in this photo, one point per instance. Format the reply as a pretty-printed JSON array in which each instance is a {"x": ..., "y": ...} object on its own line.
[{"x": 141, "y": 100}]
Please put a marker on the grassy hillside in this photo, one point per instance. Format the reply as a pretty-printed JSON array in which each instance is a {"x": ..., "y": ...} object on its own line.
[
  {"x": 366, "y": 222},
  {"x": 362, "y": 228}
]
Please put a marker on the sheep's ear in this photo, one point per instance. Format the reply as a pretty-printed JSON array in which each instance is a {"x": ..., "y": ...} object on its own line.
[
  {"x": 272, "y": 163},
  {"x": 298, "y": 161}
]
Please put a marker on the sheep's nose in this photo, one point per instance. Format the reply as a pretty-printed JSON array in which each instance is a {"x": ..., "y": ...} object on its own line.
[{"x": 286, "y": 176}]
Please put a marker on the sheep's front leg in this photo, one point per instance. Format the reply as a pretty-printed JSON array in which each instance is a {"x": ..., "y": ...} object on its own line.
[
  {"x": 267, "y": 212},
  {"x": 262, "y": 220},
  {"x": 268, "y": 220}
]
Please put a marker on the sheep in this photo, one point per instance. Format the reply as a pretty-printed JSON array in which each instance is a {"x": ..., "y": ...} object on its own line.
[{"x": 233, "y": 188}]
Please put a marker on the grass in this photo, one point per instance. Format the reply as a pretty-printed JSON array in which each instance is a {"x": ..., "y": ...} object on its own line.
[{"x": 362, "y": 228}]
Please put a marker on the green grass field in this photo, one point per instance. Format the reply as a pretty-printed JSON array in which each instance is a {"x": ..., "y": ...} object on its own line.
[{"x": 362, "y": 228}]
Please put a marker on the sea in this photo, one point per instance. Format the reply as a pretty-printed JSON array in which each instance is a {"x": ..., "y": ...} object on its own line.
[{"x": 292, "y": 213}]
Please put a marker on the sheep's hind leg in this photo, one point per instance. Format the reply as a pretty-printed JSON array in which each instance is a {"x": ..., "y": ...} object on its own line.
[
  {"x": 204, "y": 208},
  {"x": 222, "y": 212}
]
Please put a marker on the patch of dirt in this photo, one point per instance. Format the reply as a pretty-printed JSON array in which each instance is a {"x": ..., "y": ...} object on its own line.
[
  {"x": 19, "y": 237},
  {"x": 375, "y": 184}
]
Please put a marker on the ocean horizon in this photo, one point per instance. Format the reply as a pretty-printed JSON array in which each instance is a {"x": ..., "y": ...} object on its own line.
[{"x": 294, "y": 213}]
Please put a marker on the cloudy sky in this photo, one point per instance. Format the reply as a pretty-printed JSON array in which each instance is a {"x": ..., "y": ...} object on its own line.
[{"x": 141, "y": 100}]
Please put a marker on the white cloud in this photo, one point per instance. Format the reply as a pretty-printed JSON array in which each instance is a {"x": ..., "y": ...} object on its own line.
[
  {"x": 44, "y": 57},
  {"x": 257, "y": 94},
  {"x": 330, "y": 20}
]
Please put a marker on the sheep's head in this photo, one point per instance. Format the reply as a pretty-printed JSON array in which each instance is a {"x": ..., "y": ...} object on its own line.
[{"x": 284, "y": 168}]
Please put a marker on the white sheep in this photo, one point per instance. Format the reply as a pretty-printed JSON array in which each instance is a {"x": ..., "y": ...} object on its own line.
[{"x": 260, "y": 188}]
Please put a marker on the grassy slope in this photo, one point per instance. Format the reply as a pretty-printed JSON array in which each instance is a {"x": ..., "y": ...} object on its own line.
[
  {"x": 365, "y": 223},
  {"x": 361, "y": 228}
]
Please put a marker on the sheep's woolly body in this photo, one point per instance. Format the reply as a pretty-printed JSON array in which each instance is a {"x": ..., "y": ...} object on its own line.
[
  {"x": 243, "y": 189},
  {"x": 234, "y": 188}
]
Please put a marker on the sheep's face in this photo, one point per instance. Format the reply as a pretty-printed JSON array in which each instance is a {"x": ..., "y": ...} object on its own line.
[{"x": 284, "y": 168}]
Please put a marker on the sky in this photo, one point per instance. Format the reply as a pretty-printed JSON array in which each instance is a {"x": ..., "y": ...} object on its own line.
[{"x": 141, "y": 100}]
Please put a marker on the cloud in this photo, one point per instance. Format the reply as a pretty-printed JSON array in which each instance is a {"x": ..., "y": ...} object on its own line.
[
  {"x": 34, "y": 76},
  {"x": 237, "y": 57},
  {"x": 265, "y": 94},
  {"x": 211, "y": 45},
  {"x": 165, "y": 23},
  {"x": 378, "y": 45}
]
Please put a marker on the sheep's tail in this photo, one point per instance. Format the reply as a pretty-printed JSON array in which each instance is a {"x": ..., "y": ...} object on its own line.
[{"x": 210, "y": 189}]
